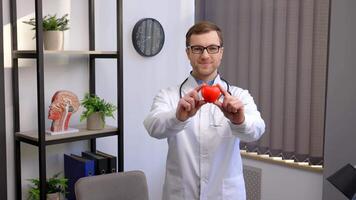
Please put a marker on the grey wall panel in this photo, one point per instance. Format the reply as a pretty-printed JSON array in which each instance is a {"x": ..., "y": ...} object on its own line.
[
  {"x": 3, "y": 170},
  {"x": 340, "y": 132}
]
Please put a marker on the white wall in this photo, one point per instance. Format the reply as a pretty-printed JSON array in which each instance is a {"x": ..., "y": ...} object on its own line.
[
  {"x": 143, "y": 77},
  {"x": 280, "y": 182}
]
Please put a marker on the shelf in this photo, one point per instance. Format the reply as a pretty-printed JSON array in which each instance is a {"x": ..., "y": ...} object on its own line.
[
  {"x": 85, "y": 56},
  {"x": 31, "y": 137},
  {"x": 95, "y": 54}
]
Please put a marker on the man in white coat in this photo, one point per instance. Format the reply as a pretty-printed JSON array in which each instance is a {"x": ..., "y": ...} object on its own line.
[{"x": 204, "y": 160}]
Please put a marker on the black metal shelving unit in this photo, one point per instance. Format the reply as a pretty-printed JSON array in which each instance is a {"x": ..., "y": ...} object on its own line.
[
  {"x": 39, "y": 138},
  {"x": 3, "y": 167}
]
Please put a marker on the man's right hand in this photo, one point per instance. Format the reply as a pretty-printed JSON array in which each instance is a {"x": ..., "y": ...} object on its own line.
[{"x": 189, "y": 104}]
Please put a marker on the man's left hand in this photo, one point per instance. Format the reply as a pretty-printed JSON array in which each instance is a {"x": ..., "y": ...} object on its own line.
[{"x": 232, "y": 107}]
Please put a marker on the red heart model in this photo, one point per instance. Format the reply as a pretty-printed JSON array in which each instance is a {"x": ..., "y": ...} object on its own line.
[{"x": 210, "y": 93}]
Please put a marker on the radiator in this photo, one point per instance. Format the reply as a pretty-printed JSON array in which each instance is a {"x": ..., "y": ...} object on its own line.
[{"x": 252, "y": 176}]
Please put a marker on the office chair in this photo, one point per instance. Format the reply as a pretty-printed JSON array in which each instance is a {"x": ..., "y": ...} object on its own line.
[{"x": 130, "y": 185}]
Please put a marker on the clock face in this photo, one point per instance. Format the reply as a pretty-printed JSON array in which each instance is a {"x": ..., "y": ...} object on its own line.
[{"x": 148, "y": 37}]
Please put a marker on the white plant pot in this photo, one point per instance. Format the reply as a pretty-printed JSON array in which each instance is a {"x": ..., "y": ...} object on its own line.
[
  {"x": 53, "y": 196},
  {"x": 95, "y": 121},
  {"x": 53, "y": 40}
]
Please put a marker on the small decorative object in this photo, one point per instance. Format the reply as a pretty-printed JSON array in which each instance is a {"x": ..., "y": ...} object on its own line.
[
  {"x": 53, "y": 27},
  {"x": 96, "y": 111},
  {"x": 148, "y": 37},
  {"x": 64, "y": 104},
  {"x": 210, "y": 93},
  {"x": 55, "y": 188}
]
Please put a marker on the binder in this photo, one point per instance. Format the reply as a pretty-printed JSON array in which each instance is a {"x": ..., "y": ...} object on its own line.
[
  {"x": 111, "y": 161},
  {"x": 76, "y": 167},
  {"x": 100, "y": 162}
]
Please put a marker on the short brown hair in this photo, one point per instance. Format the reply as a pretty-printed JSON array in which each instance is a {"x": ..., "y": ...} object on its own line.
[{"x": 203, "y": 27}]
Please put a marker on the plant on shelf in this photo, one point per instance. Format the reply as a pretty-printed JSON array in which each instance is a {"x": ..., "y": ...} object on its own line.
[
  {"x": 53, "y": 27},
  {"x": 51, "y": 23},
  {"x": 96, "y": 111},
  {"x": 55, "y": 186}
]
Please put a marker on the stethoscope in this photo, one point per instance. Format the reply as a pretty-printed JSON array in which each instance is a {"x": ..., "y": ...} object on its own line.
[{"x": 181, "y": 85}]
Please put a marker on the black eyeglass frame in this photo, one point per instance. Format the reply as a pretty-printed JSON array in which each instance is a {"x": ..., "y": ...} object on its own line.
[{"x": 205, "y": 48}]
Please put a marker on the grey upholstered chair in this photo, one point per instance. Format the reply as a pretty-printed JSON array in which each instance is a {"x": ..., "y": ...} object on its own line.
[{"x": 130, "y": 185}]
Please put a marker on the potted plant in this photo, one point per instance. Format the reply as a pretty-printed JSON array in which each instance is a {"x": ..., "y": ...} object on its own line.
[
  {"x": 53, "y": 30},
  {"x": 55, "y": 187},
  {"x": 96, "y": 111}
]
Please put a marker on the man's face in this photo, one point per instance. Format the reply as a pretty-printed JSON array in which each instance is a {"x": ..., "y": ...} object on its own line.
[{"x": 205, "y": 65}]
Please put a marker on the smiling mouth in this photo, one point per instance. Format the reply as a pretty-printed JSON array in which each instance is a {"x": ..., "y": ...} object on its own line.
[{"x": 205, "y": 64}]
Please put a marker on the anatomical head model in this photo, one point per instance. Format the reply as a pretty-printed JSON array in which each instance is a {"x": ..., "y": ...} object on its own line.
[{"x": 64, "y": 104}]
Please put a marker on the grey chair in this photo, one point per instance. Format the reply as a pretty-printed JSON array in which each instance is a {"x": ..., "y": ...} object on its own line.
[{"x": 130, "y": 185}]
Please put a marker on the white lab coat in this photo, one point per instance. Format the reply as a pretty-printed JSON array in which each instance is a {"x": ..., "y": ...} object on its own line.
[{"x": 203, "y": 160}]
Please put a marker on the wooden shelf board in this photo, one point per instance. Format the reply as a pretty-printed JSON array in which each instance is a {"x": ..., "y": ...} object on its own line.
[
  {"x": 32, "y": 136},
  {"x": 32, "y": 53}
]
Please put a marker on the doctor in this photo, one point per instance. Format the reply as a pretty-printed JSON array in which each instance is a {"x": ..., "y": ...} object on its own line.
[{"x": 204, "y": 159}]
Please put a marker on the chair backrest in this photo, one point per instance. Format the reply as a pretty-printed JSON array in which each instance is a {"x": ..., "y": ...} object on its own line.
[{"x": 130, "y": 185}]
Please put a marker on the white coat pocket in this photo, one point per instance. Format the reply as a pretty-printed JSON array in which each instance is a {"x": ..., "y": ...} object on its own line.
[
  {"x": 218, "y": 123},
  {"x": 234, "y": 188}
]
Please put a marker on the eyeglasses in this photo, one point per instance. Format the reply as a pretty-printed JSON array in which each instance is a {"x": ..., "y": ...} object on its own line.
[{"x": 211, "y": 49}]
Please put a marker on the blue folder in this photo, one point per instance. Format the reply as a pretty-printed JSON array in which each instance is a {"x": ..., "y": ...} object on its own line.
[
  {"x": 76, "y": 167},
  {"x": 100, "y": 162}
]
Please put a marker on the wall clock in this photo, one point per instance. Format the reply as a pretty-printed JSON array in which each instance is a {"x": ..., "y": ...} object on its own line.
[{"x": 148, "y": 37}]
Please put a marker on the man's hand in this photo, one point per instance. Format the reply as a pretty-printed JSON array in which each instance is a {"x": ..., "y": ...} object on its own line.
[
  {"x": 189, "y": 104},
  {"x": 232, "y": 107}
]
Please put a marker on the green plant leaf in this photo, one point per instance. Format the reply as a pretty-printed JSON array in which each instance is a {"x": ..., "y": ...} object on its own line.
[
  {"x": 53, "y": 184},
  {"x": 51, "y": 23},
  {"x": 93, "y": 103}
]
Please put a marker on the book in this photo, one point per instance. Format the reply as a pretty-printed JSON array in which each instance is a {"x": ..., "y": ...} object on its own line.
[
  {"x": 100, "y": 162},
  {"x": 76, "y": 167},
  {"x": 111, "y": 161}
]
